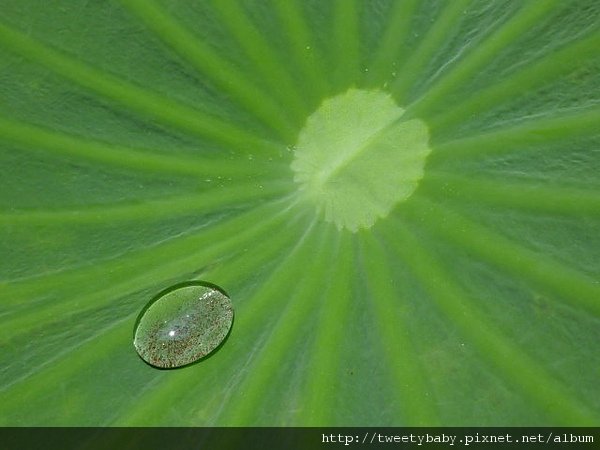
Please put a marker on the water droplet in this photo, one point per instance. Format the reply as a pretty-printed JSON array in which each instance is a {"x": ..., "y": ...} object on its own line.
[{"x": 182, "y": 325}]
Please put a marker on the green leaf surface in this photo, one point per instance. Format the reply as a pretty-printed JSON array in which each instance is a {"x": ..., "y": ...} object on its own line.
[{"x": 146, "y": 143}]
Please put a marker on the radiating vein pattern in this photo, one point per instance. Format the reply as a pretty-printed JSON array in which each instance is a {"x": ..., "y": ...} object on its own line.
[
  {"x": 554, "y": 398},
  {"x": 401, "y": 199},
  {"x": 210, "y": 63}
]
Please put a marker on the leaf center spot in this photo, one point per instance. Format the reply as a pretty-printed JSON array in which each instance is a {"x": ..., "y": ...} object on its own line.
[{"x": 356, "y": 158}]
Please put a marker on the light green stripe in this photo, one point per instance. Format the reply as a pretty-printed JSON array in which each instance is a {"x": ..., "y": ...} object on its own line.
[
  {"x": 392, "y": 48},
  {"x": 441, "y": 31},
  {"x": 249, "y": 314},
  {"x": 512, "y": 194},
  {"x": 303, "y": 45},
  {"x": 211, "y": 200},
  {"x": 285, "y": 332},
  {"x": 535, "y": 75},
  {"x": 73, "y": 362},
  {"x": 530, "y": 13},
  {"x": 345, "y": 43},
  {"x": 321, "y": 387},
  {"x": 411, "y": 395},
  {"x": 139, "y": 159},
  {"x": 554, "y": 399},
  {"x": 208, "y": 62},
  {"x": 577, "y": 290},
  {"x": 529, "y": 134},
  {"x": 265, "y": 60},
  {"x": 244, "y": 266},
  {"x": 140, "y": 100},
  {"x": 132, "y": 272},
  {"x": 177, "y": 384},
  {"x": 61, "y": 365}
]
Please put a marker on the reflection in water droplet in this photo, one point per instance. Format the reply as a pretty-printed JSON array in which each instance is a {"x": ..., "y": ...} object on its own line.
[{"x": 183, "y": 325}]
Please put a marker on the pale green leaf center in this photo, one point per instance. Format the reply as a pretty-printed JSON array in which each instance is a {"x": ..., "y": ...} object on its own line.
[{"x": 356, "y": 159}]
